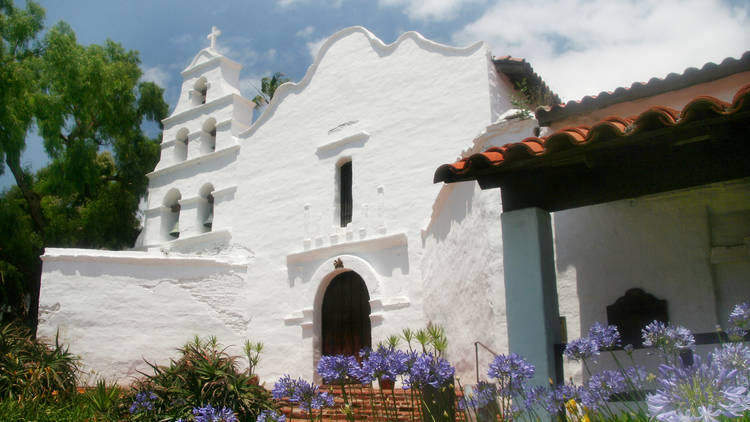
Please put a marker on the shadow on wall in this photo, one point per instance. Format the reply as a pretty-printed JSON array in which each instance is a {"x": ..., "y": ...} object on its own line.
[
  {"x": 156, "y": 270},
  {"x": 655, "y": 244},
  {"x": 452, "y": 205}
]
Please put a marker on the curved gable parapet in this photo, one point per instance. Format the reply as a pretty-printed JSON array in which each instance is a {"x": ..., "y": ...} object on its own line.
[
  {"x": 377, "y": 45},
  {"x": 203, "y": 56}
]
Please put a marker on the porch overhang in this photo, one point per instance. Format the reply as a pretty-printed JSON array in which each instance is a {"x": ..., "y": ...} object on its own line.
[{"x": 659, "y": 150}]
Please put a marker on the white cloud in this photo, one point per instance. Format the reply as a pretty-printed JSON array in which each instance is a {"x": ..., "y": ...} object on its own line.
[
  {"x": 582, "y": 47},
  {"x": 157, "y": 75},
  {"x": 438, "y": 10},
  {"x": 314, "y": 46},
  {"x": 238, "y": 49},
  {"x": 306, "y": 31}
]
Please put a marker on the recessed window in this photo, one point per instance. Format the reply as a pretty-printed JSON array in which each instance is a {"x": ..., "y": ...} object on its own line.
[
  {"x": 345, "y": 193},
  {"x": 633, "y": 311}
]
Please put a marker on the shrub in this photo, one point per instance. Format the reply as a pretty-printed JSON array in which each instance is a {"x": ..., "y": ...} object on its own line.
[
  {"x": 104, "y": 400},
  {"x": 32, "y": 370},
  {"x": 72, "y": 409},
  {"x": 203, "y": 374}
]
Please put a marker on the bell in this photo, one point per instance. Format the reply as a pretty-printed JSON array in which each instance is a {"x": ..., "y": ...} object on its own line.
[
  {"x": 209, "y": 221},
  {"x": 175, "y": 232}
]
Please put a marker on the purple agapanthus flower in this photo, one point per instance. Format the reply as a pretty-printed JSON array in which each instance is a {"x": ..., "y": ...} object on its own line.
[
  {"x": 581, "y": 349},
  {"x": 144, "y": 402},
  {"x": 338, "y": 369},
  {"x": 511, "y": 372},
  {"x": 701, "y": 390},
  {"x": 427, "y": 369},
  {"x": 605, "y": 336},
  {"x": 481, "y": 396},
  {"x": 667, "y": 338},
  {"x": 270, "y": 416},
  {"x": 601, "y": 386},
  {"x": 739, "y": 321},
  {"x": 382, "y": 363},
  {"x": 309, "y": 396},
  {"x": 734, "y": 357},
  {"x": 284, "y": 387},
  {"x": 553, "y": 399},
  {"x": 209, "y": 413}
]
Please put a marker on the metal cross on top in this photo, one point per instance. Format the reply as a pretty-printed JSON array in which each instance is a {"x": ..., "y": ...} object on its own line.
[{"x": 213, "y": 35}]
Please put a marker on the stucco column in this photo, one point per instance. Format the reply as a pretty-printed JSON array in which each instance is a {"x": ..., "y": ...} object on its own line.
[{"x": 530, "y": 289}]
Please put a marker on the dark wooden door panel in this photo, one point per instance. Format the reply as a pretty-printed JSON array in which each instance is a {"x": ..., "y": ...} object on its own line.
[{"x": 346, "y": 315}]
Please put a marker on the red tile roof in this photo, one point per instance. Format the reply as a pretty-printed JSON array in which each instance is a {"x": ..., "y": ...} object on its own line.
[
  {"x": 673, "y": 81},
  {"x": 607, "y": 130}
]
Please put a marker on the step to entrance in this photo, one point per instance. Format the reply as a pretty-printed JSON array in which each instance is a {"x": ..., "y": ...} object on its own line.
[{"x": 366, "y": 404}]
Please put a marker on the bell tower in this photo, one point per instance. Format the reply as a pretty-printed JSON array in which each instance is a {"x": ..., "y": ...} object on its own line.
[{"x": 198, "y": 146}]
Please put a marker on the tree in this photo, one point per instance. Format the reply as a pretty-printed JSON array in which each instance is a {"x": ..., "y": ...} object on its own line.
[
  {"x": 268, "y": 87},
  {"x": 89, "y": 106},
  {"x": 19, "y": 54}
]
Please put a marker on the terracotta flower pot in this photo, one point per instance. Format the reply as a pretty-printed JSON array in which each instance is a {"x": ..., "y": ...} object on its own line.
[{"x": 385, "y": 384}]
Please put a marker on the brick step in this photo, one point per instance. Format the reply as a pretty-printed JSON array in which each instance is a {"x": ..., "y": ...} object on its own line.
[{"x": 366, "y": 404}]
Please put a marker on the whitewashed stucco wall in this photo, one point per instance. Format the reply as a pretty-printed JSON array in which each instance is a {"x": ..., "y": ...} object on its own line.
[
  {"x": 659, "y": 243},
  {"x": 396, "y": 111},
  {"x": 404, "y": 108},
  {"x": 115, "y": 309}
]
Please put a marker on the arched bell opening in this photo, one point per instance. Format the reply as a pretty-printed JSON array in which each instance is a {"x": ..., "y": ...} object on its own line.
[
  {"x": 208, "y": 137},
  {"x": 181, "y": 145},
  {"x": 170, "y": 218},
  {"x": 206, "y": 208},
  {"x": 199, "y": 92}
]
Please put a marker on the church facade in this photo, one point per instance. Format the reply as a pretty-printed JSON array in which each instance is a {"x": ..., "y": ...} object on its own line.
[{"x": 317, "y": 228}]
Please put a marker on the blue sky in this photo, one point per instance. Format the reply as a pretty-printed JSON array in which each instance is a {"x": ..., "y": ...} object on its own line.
[{"x": 579, "y": 47}]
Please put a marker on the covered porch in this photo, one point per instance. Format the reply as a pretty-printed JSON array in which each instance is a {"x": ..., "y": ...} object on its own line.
[{"x": 661, "y": 150}]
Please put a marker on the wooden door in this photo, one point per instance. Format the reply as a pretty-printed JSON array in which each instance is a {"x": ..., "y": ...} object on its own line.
[{"x": 346, "y": 315}]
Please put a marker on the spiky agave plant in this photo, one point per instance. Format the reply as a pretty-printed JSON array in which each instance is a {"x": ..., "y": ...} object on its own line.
[
  {"x": 204, "y": 374},
  {"x": 32, "y": 370}
]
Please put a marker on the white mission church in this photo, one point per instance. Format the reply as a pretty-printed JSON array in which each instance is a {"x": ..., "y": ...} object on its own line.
[{"x": 317, "y": 229}]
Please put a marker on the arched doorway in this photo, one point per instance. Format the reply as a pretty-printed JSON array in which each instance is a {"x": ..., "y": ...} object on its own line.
[{"x": 345, "y": 315}]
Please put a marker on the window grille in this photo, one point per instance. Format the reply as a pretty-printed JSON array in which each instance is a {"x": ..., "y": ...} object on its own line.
[{"x": 345, "y": 179}]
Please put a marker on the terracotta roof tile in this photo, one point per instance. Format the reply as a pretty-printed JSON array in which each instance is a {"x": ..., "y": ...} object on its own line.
[
  {"x": 609, "y": 129},
  {"x": 673, "y": 81}
]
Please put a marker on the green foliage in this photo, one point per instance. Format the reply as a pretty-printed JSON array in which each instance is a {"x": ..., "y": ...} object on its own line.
[
  {"x": 33, "y": 371},
  {"x": 252, "y": 351},
  {"x": 90, "y": 107},
  {"x": 523, "y": 100},
  {"x": 431, "y": 339},
  {"x": 268, "y": 88},
  {"x": 73, "y": 409},
  {"x": 104, "y": 400},
  {"x": 203, "y": 374},
  {"x": 20, "y": 247}
]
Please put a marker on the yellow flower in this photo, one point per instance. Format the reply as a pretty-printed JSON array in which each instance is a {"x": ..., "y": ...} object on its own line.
[{"x": 576, "y": 413}]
